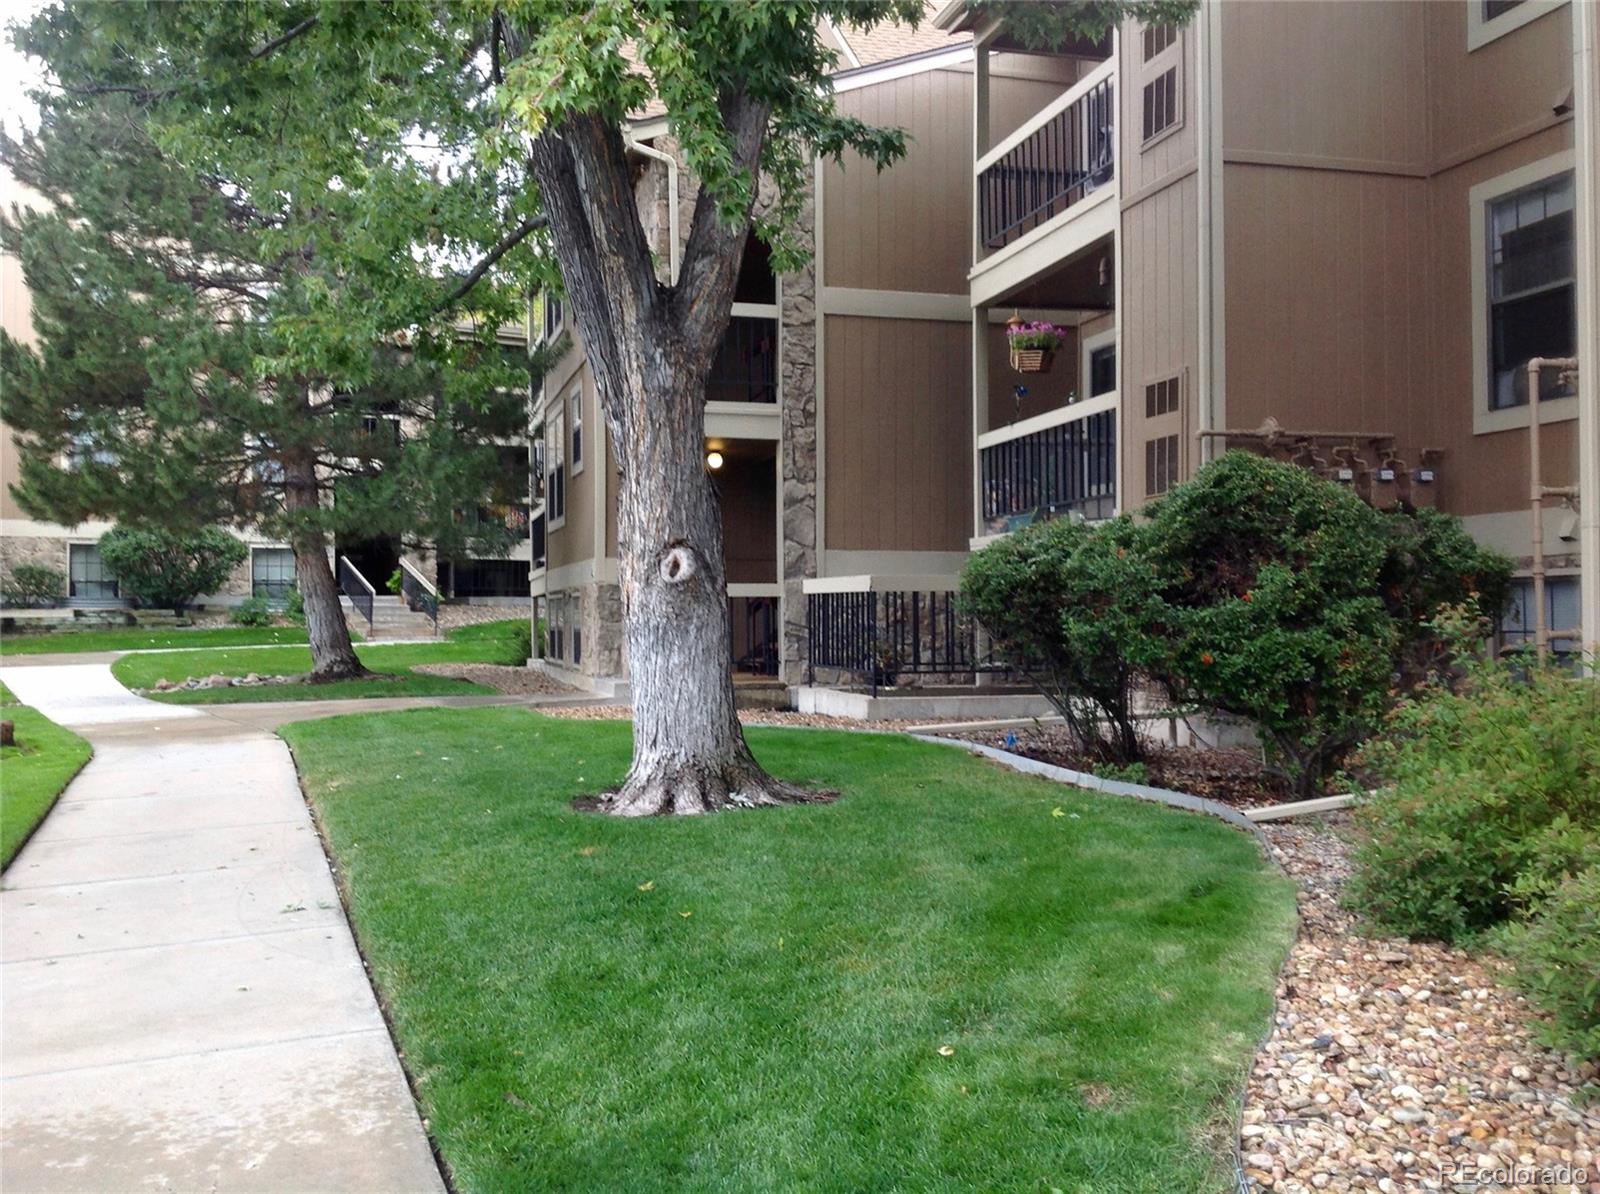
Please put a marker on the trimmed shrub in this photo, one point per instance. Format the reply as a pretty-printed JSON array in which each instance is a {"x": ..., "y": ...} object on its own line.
[
  {"x": 164, "y": 570},
  {"x": 253, "y": 611},
  {"x": 1557, "y": 958},
  {"x": 1490, "y": 802},
  {"x": 294, "y": 608},
  {"x": 1071, "y": 603},
  {"x": 34, "y": 584},
  {"x": 1271, "y": 608}
]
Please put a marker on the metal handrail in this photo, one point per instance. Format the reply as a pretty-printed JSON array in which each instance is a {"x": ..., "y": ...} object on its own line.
[
  {"x": 356, "y": 587},
  {"x": 417, "y": 593}
]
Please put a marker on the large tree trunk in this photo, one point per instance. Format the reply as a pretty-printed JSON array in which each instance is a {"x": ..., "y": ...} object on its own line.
[
  {"x": 333, "y": 656},
  {"x": 650, "y": 348}
]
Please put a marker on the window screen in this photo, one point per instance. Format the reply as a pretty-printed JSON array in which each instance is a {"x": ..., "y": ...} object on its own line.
[
  {"x": 1161, "y": 397},
  {"x": 1161, "y": 103},
  {"x": 88, "y": 579},
  {"x": 272, "y": 572},
  {"x": 1160, "y": 464}
]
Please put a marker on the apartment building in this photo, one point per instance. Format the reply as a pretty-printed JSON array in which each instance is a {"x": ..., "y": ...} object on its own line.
[{"x": 1332, "y": 231}]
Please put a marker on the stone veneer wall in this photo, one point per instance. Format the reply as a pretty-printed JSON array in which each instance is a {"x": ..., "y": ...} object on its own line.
[
  {"x": 50, "y": 551},
  {"x": 798, "y": 447}
]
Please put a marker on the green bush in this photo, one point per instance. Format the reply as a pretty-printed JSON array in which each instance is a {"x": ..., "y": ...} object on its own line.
[
  {"x": 253, "y": 611},
  {"x": 1557, "y": 958},
  {"x": 294, "y": 608},
  {"x": 1071, "y": 602},
  {"x": 34, "y": 584},
  {"x": 164, "y": 570},
  {"x": 1490, "y": 800},
  {"x": 1271, "y": 608}
]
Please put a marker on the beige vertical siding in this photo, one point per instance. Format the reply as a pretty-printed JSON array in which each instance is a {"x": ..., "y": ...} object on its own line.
[
  {"x": 1160, "y": 319},
  {"x": 1142, "y": 168},
  {"x": 573, "y": 541},
  {"x": 747, "y": 490},
  {"x": 897, "y": 435},
  {"x": 1328, "y": 81}
]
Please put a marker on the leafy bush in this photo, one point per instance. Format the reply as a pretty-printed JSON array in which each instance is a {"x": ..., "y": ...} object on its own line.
[
  {"x": 1271, "y": 608},
  {"x": 34, "y": 584},
  {"x": 1490, "y": 801},
  {"x": 253, "y": 611},
  {"x": 164, "y": 570},
  {"x": 1557, "y": 957},
  {"x": 294, "y": 608},
  {"x": 1072, "y": 602}
]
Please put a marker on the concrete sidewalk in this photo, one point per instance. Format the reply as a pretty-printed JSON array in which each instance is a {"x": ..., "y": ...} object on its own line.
[{"x": 184, "y": 1006}]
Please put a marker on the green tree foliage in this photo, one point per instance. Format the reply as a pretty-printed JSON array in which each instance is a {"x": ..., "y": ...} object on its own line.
[
  {"x": 1066, "y": 601},
  {"x": 34, "y": 584},
  {"x": 167, "y": 570},
  {"x": 225, "y": 334}
]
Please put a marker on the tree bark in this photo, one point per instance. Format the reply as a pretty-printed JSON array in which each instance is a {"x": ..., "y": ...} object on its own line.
[
  {"x": 333, "y": 656},
  {"x": 650, "y": 348}
]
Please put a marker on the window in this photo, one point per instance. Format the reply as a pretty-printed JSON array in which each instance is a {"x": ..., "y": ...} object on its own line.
[
  {"x": 87, "y": 578},
  {"x": 1161, "y": 397},
  {"x": 555, "y": 489},
  {"x": 1161, "y": 104},
  {"x": 1531, "y": 289},
  {"x": 1160, "y": 464},
  {"x": 577, "y": 646},
  {"x": 1560, "y": 613},
  {"x": 1159, "y": 37},
  {"x": 1495, "y": 8},
  {"x": 1102, "y": 370},
  {"x": 1488, "y": 20},
  {"x": 575, "y": 407},
  {"x": 555, "y": 316},
  {"x": 272, "y": 573},
  {"x": 556, "y": 630}
]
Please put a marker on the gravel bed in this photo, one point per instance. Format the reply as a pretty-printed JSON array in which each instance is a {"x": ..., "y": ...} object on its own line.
[
  {"x": 519, "y": 681},
  {"x": 452, "y": 616},
  {"x": 1397, "y": 1066}
]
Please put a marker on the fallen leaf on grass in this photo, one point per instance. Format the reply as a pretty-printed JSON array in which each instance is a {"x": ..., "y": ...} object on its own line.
[
  {"x": 686, "y": 914},
  {"x": 947, "y": 1050},
  {"x": 1057, "y": 812},
  {"x": 648, "y": 885}
]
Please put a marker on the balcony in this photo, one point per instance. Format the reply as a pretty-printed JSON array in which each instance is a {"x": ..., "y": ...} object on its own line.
[
  {"x": 1063, "y": 463},
  {"x": 514, "y": 517},
  {"x": 1051, "y": 164},
  {"x": 746, "y": 366}
]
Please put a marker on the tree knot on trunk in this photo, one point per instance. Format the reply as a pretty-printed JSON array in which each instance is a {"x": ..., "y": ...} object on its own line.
[{"x": 678, "y": 563}]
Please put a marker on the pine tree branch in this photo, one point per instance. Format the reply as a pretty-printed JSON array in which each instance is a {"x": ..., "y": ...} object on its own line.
[{"x": 285, "y": 38}]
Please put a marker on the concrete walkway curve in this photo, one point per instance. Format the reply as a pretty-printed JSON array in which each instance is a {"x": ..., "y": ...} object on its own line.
[{"x": 184, "y": 1008}]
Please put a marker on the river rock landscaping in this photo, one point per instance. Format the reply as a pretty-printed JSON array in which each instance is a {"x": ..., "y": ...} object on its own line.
[{"x": 1397, "y": 1066}]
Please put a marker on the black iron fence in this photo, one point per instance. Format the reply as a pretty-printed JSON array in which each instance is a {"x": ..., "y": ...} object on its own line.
[
  {"x": 882, "y": 637},
  {"x": 354, "y": 586},
  {"x": 1070, "y": 468},
  {"x": 746, "y": 365},
  {"x": 1065, "y": 159}
]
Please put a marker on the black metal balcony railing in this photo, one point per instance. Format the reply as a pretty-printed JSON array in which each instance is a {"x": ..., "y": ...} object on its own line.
[
  {"x": 515, "y": 518},
  {"x": 1070, "y": 468},
  {"x": 1066, "y": 158},
  {"x": 746, "y": 368},
  {"x": 882, "y": 636}
]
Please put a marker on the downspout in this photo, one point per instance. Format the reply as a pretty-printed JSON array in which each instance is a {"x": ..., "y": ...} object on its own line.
[
  {"x": 1205, "y": 406},
  {"x": 650, "y": 151},
  {"x": 1537, "y": 492}
]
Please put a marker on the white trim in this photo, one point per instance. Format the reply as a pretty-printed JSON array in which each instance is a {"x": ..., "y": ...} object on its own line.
[
  {"x": 872, "y": 583},
  {"x": 895, "y": 304},
  {"x": 580, "y": 573},
  {"x": 896, "y": 563},
  {"x": 1088, "y": 347},
  {"x": 576, "y": 460},
  {"x": 754, "y": 589},
  {"x": 1045, "y": 247},
  {"x": 404, "y": 563},
  {"x": 743, "y": 420},
  {"x": 1054, "y": 108},
  {"x": 1051, "y": 418},
  {"x": 1586, "y": 82},
  {"x": 850, "y": 55},
  {"x": 757, "y": 310},
  {"x": 1557, "y": 410},
  {"x": 1481, "y": 32},
  {"x": 869, "y": 76},
  {"x": 819, "y": 365}
]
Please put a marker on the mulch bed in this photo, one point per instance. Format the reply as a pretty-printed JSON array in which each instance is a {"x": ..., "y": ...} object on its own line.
[{"x": 1232, "y": 777}]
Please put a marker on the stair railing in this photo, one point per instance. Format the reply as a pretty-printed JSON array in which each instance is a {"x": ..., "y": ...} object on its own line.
[
  {"x": 355, "y": 586},
  {"x": 418, "y": 594}
]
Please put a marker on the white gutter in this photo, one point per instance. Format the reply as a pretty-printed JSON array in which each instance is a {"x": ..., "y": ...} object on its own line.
[
  {"x": 650, "y": 151},
  {"x": 1586, "y": 101}
]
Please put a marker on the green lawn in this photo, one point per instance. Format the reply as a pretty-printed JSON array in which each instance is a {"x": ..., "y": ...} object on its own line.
[
  {"x": 33, "y": 772},
  {"x": 394, "y": 662},
  {"x": 132, "y": 638},
  {"x": 764, "y": 1000}
]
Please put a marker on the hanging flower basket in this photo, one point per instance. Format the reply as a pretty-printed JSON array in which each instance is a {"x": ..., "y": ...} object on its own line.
[{"x": 1033, "y": 345}]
